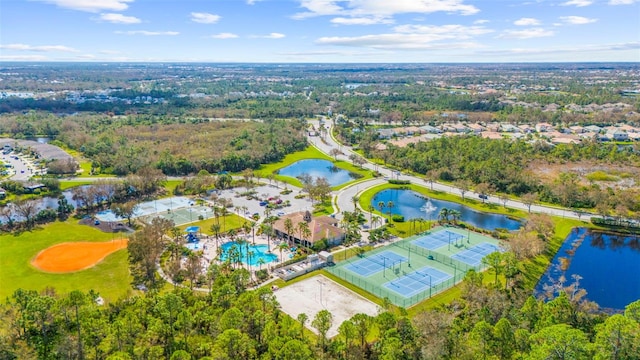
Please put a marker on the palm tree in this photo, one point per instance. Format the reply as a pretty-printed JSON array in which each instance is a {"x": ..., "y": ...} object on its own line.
[
  {"x": 355, "y": 200},
  {"x": 302, "y": 225},
  {"x": 455, "y": 215},
  {"x": 288, "y": 227},
  {"x": 443, "y": 215},
  {"x": 224, "y": 213},
  {"x": 390, "y": 205},
  {"x": 381, "y": 205},
  {"x": 260, "y": 263},
  {"x": 249, "y": 256},
  {"x": 283, "y": 246},
  {"x": 215, "y": 229},
  {"x": 371, "y": 208}
]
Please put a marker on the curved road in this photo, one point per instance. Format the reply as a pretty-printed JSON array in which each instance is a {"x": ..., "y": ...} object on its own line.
[{"x": 344, "y": 196}]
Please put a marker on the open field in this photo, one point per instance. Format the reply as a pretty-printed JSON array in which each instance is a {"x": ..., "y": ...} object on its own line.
[
  {"x": 317, "y": 293},
  {"x": 110, "y": 277}
]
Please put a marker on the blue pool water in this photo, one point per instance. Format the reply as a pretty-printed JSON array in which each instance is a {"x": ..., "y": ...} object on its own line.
[
  {"x": 411, "y": 205},
  {"x": 259, "y": 251},
  {"x": 608, "y": 264},
  {"x": 318, "y": 168}
]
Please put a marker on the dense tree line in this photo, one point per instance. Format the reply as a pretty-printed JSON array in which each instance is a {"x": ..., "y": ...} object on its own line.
[
  {"x": 230, "y": 322},
  {"x": 503, "y": 166}
]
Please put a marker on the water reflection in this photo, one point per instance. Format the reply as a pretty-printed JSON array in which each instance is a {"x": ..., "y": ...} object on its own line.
[{"x": 411, "y": 204}]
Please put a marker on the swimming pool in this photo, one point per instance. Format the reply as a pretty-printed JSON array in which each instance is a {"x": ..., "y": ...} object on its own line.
[{"x": 258, "y": 252}]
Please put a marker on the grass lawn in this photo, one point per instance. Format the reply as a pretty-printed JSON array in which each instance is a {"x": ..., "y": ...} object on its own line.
[
  {"x": 66, "y": 185},
  {"x": 110, "y": 277},
  {"x": 310, "y": 152},
  {"x": 231, "y": 221},
  {"x": 171, "y": 185}
]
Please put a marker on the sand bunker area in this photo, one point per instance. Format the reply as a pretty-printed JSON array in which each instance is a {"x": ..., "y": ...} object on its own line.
[{"x": 75, "y": 256}]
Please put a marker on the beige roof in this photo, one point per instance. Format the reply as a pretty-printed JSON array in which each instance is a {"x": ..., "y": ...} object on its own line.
[{"x": 322, "y": 227}]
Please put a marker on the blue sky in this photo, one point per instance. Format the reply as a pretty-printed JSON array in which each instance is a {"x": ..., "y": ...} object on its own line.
[{"x": 320, "y": 30}]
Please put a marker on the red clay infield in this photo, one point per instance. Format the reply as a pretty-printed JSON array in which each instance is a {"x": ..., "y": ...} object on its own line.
[{"x": 75, "y": 256}]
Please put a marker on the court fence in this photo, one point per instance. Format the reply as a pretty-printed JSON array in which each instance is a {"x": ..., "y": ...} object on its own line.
[
  {"x": 457, "y": 269},
  {"x": 382, "y": 292}
]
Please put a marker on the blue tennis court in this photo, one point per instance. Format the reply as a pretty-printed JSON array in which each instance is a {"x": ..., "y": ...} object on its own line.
[
  {"x": 416, "y": 282},
  {"x": 474, "y": 255},
  {"x": 375, "y": 263},
  {"x": 437, "y": 239}
]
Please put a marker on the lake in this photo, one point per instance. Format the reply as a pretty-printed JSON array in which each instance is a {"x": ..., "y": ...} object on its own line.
[
  {"x": 317, "y": 168},
  {"x": 411, "y": 204},
  {"x": 607, "y": 263}
]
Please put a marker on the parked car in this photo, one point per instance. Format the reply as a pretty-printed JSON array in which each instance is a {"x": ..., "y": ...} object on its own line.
[{"x": 483, "y": 197}]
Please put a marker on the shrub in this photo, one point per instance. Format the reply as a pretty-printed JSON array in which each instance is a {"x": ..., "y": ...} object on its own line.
[
  {"x": 397, "y": 218},
  {"x": 399, "y": 182},
  {"x": 262, "y": 274}
]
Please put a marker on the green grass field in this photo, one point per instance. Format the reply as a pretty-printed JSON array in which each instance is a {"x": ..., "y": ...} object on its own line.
[
  {"x": 231, "y": 221},
  {"x": 110, "y": 278}
]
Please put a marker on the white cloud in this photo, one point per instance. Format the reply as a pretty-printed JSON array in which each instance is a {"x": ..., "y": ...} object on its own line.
[
  {"x": 577, "y": 20},
  {"x": 361, "y": 21},
  {"x": 204, "y": 18},
  {"x": 413, "y": 37},
  {"x": 252, "y": 2},
  {"x": 481, "y": 21},
  {"x": 381, "y": 8},
  {"x": 40, "y": 48},
  {"x": 273, "y": 35},
  {"x": 622, "y": 2},
  {"x": 526, "y": 33},
  {"x": 148, "y": 33},
  {"x": 527, "y": 22},
  {"x": 23, "y": 58},
  {"x": 578, "y": 3},
  {"x": 109, "y": 52},
  {"x": 86, "y": 57},
  {"x": 568, "y": 49},
  {"x": 119, "y": 18},
  {"x": 91, "y": 5},
  {"x": 225, "y": 35}
]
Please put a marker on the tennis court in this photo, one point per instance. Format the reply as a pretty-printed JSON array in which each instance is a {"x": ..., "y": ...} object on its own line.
[
  {"x": 474, "y": 255},
  {"x": 417, "y": 281},
  {"x": 438, "y": 239},
  {"x": 375, "y": 263},
  {"x": 408, "y": 272},
  {"x": 179, "y": 209}
]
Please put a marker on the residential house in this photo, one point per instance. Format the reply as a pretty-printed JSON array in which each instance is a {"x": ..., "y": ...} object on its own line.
[
  {"x": 617, "y": 135},
  {"x": 431, "y": 129},
  {"x": 526, "y": 128},
  {"x": 577, "y": 129},
  {"x": 593, "y": 128},
  {"x": 476, "y": 128},
  {"x": 508, "y": 128},
  {"x": 543, "y": 127},
  {"x": 321, "y": 227},
  {"x": 386, "y": 133}
]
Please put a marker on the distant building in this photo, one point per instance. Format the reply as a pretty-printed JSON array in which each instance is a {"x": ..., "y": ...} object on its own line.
[
  {"x": 543, "y": 127},
  {"x": 617, "y": 135},
  {"x": 386, "y": 133},
  {"x": 322, "y": 227}
]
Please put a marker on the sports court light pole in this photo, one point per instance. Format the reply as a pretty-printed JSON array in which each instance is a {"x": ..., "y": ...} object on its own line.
[
  {"x": 409, "y": 257},
  {"x": 449, "y": 240},
  {"x": 384, "y": 267},
  {"x": 429, "y": 285},
  {"x": 320, "y": 282}
]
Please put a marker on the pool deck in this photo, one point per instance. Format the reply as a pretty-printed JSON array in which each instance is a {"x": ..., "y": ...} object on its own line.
[{"x": 209, "y": 247}]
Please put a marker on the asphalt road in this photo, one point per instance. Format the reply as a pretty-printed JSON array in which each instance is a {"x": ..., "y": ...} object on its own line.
[{"x": 344, "y": 196}]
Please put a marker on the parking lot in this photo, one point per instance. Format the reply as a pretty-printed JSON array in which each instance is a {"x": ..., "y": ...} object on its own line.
[
  {"x": 266, "y": 192},
  {"x": 21, "y": 168}
]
